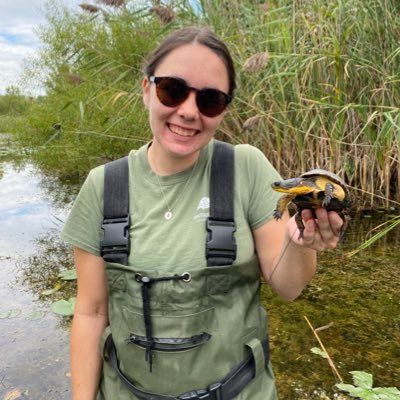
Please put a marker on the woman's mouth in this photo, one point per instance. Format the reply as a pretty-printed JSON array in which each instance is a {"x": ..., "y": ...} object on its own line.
[{"x": 178, "y": 130}]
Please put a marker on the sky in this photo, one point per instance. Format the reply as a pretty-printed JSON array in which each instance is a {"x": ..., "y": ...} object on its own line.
[
  {"x": 18, "y": 40},
  {"x": 18, "y": 20}
]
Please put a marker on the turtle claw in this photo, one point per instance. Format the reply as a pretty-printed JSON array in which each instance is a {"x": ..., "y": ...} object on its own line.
[
  {"x": 277, "y": 214},
  {"x": 328, "y": 195}
]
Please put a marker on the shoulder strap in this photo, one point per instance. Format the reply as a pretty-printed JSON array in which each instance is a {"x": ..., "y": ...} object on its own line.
[
  {"x": 221, "y": 243},
  {"x": 114, "y": 245}
]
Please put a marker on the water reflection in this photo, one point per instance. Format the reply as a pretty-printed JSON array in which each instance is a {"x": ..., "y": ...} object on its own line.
[
  {"x": 24, "y": 210},
  {"x": 34, "y": 350}
]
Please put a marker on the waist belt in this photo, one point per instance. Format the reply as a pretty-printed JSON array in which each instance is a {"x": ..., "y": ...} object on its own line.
[{"x": 226, "y": 389}]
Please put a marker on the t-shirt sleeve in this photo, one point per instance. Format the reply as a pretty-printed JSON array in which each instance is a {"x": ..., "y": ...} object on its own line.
[
  {"x": 83, "y": 226},
  {"x": 257, "y": 176}
]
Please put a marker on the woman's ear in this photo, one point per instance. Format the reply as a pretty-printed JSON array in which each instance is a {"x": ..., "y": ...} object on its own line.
[{"x": 146, "y": 91}]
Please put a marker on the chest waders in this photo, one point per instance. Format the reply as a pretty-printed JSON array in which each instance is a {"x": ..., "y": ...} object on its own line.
[{"x": 197, "y": 333}]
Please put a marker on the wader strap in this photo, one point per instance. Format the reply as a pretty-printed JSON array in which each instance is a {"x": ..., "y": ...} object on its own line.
[
  {"x": 221, "y": 243},
  {"x": 114, "y": 245},
  {"x": 227, "y": 389}
]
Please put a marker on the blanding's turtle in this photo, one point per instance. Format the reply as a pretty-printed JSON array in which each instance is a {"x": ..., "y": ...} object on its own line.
[{"x": 311, "y": 190}]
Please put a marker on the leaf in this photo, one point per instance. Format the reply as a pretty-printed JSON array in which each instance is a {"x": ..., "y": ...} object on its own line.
[
  {"x": 388, "y": 393},
  {"x": 345, "y": 387},
  {"x": 68, "y": 275},
  {"x": 13, "y": 313},
  {"x": 14, "y": 394},
  {"x": 35, "y": 315},
  {"x": 64, "y": 307},
  {"x": 317, "y": 350},
  {"x": 51, "y": 291},
  {"x": 81, "y": 110},
  {"x": 362, "y": 379},
  {"x": 359, "y": 392}
]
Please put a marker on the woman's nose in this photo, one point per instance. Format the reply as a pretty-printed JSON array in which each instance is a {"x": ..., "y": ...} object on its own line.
[{"x": 188, "y": 109}]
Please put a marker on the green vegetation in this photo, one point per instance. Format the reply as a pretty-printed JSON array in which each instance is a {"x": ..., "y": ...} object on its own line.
[
  {"x": 318, "y": 85},
  {"x": 13, "y": 105},
  {"x": 363, "y": 388}
]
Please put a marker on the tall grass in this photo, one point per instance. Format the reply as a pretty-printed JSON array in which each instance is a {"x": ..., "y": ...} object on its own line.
[{"x": 319, "y": 84}]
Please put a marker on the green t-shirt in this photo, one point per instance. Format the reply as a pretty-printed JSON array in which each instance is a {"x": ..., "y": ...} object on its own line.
[{"x": 177, "y": 243}]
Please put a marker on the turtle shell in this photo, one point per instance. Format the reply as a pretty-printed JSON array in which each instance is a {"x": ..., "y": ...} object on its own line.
[
  {"x": 328, "y": 174},
  {"x": 323, "y": 172}
]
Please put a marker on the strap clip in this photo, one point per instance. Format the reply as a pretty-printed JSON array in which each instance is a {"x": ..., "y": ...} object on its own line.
[
  {"x": 115, "y": 236},
  {"x": 221, "y": 242},
  {"x": 213, "y": 393}
]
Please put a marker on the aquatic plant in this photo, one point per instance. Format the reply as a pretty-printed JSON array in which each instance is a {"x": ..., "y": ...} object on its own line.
[
  {"x": 64, "y": 307},
  {"x": 362, "y": 388}
]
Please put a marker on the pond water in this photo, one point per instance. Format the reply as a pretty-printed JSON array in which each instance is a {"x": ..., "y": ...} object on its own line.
[
  {"x": 33, "y": 344},
  {"x": 356, "y": 299},
  {"x": 356, "y": 303}
]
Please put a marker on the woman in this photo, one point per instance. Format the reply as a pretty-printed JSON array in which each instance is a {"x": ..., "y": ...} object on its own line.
[{"x": 182, "y": 329}]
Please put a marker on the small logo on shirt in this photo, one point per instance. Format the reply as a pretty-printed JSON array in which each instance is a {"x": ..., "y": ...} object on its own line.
[{"x": 204, "y": 204}]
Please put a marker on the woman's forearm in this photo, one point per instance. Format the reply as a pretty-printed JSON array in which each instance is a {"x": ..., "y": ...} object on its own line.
[
  {"x": 293, "y": 270},
  {"x": 86, "y": 362}
]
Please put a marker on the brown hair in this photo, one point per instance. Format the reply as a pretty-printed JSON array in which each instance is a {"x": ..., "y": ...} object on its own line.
[{"x": 190, "y": 35}]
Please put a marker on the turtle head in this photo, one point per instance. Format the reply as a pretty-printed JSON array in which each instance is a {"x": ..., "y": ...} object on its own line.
[{"x": 292, "y": 186}]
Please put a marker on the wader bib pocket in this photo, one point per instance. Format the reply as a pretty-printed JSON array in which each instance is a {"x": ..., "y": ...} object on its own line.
[
  {"x": 170, "y": 344},
  {"x": 176, "y": 341}
]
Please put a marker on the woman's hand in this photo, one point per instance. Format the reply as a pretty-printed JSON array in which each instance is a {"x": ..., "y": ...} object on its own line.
[{"x": 319, "y": 234}]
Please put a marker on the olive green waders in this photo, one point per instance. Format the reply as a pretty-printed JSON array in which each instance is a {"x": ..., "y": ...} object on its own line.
[{"x": 192, "y": 333}]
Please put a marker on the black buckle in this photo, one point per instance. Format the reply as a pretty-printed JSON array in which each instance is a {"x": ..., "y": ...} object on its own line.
[
  {"x": 115, "y": 236},
  {"x": 213, "y": 393},
  {"x": 221, "y": 241}
]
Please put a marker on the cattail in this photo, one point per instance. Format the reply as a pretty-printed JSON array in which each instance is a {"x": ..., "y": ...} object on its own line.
[
  {"x": 74, "y": 79},
  {"x": 164, "y": 14},
  {"x": 89, "y": 8},
  {"x": 264, "y": 8},
  {"x": 252, "y": 122},
  {"x": 113, "y": 3},
  {"x": 256, "y": 62}
]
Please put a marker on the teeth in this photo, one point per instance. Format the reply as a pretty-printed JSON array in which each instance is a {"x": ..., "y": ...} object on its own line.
[{"x": 182, "y": 132}]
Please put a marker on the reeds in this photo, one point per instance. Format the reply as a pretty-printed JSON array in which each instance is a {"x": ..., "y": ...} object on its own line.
[
  {"x": 318, "y": 81},
  {"x": 326, "y": 100}
]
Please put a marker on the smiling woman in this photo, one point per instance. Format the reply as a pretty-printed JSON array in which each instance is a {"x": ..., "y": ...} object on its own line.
[
  {"x": 180, "y": 128},
  {"x": 141, "y": 234}
]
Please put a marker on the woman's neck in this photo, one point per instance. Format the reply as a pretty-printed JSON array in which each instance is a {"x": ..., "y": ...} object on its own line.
[{"x": 164, "y": 164}]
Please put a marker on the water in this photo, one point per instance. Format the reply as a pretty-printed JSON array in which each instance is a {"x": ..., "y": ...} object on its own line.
[
  {"x": 33, "y": 343},
  {"x": 356, "y": 301}
]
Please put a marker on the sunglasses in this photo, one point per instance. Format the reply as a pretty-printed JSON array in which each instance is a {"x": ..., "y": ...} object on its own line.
[{"x": 174, "y": 91}]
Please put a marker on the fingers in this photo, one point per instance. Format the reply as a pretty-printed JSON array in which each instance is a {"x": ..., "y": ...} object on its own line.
[{"x": 321, "y": 232}]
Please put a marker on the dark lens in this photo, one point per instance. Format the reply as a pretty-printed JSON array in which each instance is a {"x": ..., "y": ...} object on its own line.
[
  {"x": 212, "y": 102},
  {"x": 171, "y": 91}
]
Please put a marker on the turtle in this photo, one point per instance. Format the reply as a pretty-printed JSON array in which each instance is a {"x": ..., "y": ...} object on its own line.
[{"x": 311, "y": 190}]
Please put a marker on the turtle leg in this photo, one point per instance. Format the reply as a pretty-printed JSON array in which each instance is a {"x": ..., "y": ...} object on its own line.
[
  {"x": 346, "y": 219},
  {"x": 282, "y": 204},
  {"x": 328, "y": 194},
  {"x": 299, "y": 223}
]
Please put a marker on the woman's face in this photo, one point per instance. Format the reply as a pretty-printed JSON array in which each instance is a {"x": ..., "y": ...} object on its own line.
[{"x": 181, "y": 131}]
